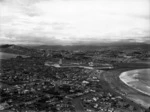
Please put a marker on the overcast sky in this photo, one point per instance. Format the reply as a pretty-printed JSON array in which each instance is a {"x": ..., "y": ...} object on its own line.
[{"x": 69, "y": 22}]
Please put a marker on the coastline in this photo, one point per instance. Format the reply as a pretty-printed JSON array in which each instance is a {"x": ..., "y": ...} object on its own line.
[
  {"x": 135, "y": 95},
  {"x": 115, "y": 84},
  {"x": 128, "y": 79}
]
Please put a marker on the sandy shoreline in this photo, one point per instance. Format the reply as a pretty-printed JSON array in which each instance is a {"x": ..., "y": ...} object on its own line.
[{"x": 129, "y": 79}]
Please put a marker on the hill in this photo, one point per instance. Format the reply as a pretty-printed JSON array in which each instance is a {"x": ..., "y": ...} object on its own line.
[{"x": 20, "y": 50}]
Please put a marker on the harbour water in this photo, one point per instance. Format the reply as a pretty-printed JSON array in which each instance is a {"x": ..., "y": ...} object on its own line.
[{"x": 9, "y": 55}]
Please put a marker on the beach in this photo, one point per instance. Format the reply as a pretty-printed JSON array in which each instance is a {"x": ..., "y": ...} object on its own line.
[{"x": 138, "y": 79}]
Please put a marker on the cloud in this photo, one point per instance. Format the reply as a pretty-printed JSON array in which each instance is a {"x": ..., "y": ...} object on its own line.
[{"x": 75, "y": 21}]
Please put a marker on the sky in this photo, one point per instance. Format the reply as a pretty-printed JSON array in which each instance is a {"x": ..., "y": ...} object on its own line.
[{"x": 71, "y": 22}]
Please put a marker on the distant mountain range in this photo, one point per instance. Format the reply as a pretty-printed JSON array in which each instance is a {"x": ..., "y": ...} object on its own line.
[
  {"x": 93, "y": 47},
  {"x": 34, "y": 48}
]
